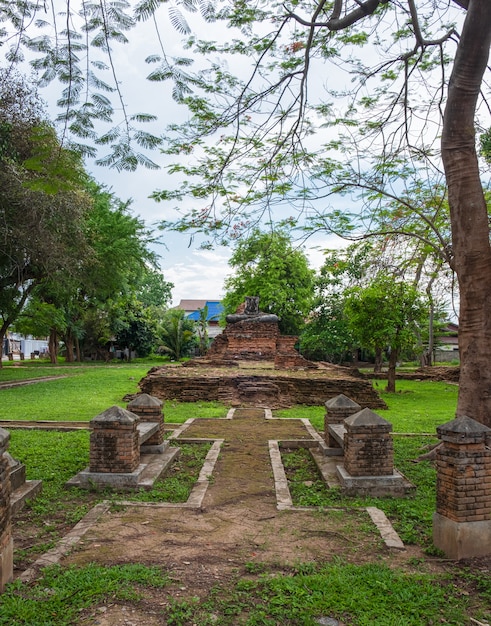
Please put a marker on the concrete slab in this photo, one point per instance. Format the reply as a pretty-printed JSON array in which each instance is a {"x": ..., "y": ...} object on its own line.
[
  {"x": 283, "y": 496},
  {"x": 151, "y": 467},
  {"x": 387, "y": 532},
  {"x": 327, "y": 467},
  {"x": 337, "y": 432},
  {"x": 462, "y": 540},
  {"x": 395, "y": 484}
]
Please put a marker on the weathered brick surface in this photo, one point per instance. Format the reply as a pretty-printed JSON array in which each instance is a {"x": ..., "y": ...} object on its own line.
[
  {"x": 251, "y": 363},
  {"x": 6, "y": 562},
  {"x": 246, "y": 340},
  {"x": 114, "y": 442},
  {"x": 368, "y": 446},
  {"x": 337, "y": 410},
  {"x": 223, "y": 384},
  {"x": 149, "y": 409},
  {"x": 464, "y": 471}
]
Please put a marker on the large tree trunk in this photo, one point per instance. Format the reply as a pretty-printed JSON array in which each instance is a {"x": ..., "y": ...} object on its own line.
[
  {"x": 53, "y": 346},
  {"x": 391, "y": 372},
  {"x": 78, "y": 356},
  {"x": 468, "y": 213},
  {"x": 68, "y": 339},
  {"x": 377, "y": 366}
]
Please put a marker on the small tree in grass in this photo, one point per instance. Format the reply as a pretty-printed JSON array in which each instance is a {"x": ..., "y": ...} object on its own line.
[
  {"x": 268, "y": 265},
  {"x": 385, "y": 314}
]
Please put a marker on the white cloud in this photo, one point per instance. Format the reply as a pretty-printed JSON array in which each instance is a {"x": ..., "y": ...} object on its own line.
[{"x": 197, "y": 274}]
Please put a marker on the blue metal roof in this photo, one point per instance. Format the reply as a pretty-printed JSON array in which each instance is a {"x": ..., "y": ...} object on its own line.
[{"x": 215, "y": 309}]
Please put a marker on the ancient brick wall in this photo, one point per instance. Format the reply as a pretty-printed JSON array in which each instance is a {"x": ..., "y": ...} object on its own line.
[
  {"x": 6, "y": 542},
  {"x": 246, "y": 340},
  {"x": 114, "y": 442},
  {"x": 313, "y": 388},
  {"x": 464, "y": 471},
  {"x": 368, "y": 446}
]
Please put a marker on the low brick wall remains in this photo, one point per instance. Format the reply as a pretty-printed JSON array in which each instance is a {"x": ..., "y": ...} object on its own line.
[
  {"x": 149, "y": 409},
  {"x": 462, "y": 521},
  {"x": 114, "y": 442},
  {"x": 312, "y": 387},
  {"x": 6, "y": 541},
  {"x": 464, "y": 471}
]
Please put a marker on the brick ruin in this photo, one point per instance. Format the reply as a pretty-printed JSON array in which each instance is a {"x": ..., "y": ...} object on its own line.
[
  {"x": 462, "y": 522},
  {"x": 6, "y": 541},
  {"x": 252, "y": 363},
  {"x": 364, "y": 441},
  {"x": 127, "y": 447}
]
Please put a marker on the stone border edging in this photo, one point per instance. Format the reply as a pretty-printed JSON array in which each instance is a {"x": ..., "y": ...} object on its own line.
[{"x": 195, "y": 500}]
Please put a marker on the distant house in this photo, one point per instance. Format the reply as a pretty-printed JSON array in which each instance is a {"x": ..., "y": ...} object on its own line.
[
  {"x": 447, "y": 343},
  {"x": 25, "y": 345},
  {"x": 193, "y": 307}
]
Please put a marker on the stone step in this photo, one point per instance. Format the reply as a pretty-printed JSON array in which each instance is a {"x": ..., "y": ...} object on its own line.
[
  {"x": 146, "y": 430},
  {"x": 26, "y": 491}
]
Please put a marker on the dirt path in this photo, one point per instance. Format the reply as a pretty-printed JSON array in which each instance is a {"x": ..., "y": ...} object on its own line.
[{"x": 237, "y": 524}]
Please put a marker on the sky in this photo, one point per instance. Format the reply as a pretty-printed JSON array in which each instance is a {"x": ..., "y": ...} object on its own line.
[{"x": 195, "y": 273}]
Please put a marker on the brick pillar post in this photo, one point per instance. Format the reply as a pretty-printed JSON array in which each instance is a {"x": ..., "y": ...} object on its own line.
[
  {"x": 114, "y": 442},
  {"x": 337, "y": 410},
  {"x": 149, "y": 409},
  {"x": 462, "y": 522},
  {"x": 368, "y": 447},
  {"x": 6, "y": 541}
]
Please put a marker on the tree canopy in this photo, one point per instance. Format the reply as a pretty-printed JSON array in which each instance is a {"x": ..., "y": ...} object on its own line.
[
  {"x": 268, "y": 265},
  {"x": 386, "y": 314},
  {"x": 322, "y": 96}
]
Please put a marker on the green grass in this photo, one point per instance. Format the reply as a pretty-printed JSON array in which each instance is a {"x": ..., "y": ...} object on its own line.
[
  {"x": 416, "y": 407},
  {"x": 359, "y": 595},
  {"x": 84, "y": 391},
  {"x": 61, "y": 594},
  {"x": 410, "y": 516}
]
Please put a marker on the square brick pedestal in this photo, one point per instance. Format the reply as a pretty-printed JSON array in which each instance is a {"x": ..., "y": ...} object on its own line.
[{"x": 462, "y": 522}]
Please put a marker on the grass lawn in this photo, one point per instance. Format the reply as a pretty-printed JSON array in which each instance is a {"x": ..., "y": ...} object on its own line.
[
  {"x": 82, "y": 392},
  {"x": 356, "y": 594},
  {"x": 416, "y": 407}
]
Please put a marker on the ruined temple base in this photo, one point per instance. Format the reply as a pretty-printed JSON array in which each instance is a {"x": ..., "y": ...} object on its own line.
[
  {"x": 151, "y": 468},
  {"x": 461, "y": 540},
  {"x": 271, "y": 388}
]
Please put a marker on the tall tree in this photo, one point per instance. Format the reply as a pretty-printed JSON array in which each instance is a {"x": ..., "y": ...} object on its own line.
[
  {"x": 392, "y": 107},
  {"x": 468, "y": 211},
  {"x": 268, "y": 265},
  {"x": 42, "y": 200},
  {"x": 385, "y": 314},
  {"x": 327, "y": 336},
  {"x": 392, "y": 112}
]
